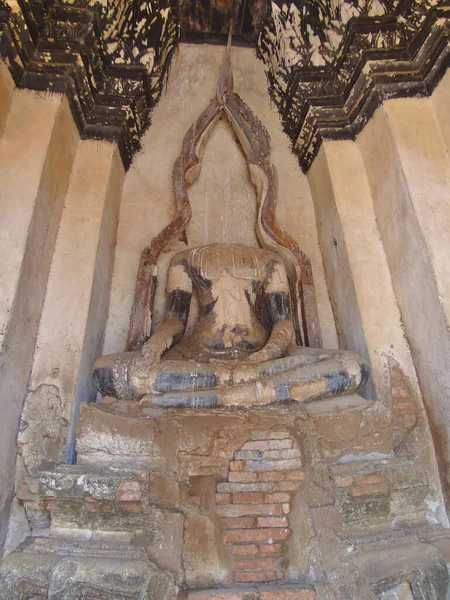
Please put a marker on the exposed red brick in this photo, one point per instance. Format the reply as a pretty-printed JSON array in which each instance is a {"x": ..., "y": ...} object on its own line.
[
  {"x": 288, "y": 595},
  {"x": 241, "y": 476},
  {"x": 239, "y": 523},
  {"x": 239, "y": 536},
  {"x": 278, "y": 497},
  {"x": 267, "y": 536},
  {"x": 398, "y": 375},
  {"x": 369, "y": 489},
  {"x": 256, "y": 576},
  {"x": 223, "y": 498},
  {"x": 271, "y": 535},
  {"x": 257, "y": 564},
  {"x": 245, "y": 550},
  {"x": 243, "y": 510},
  {"x": 248, "y": 498},
  {"x": 368, "y": 479},
  {"x": 404, "y": 393},
  {"x": 128, "y": 491},
  {"x": 272, "y": 522},
  {"x": 271, "y": 475},
  {"x": 237, "y": 465},
  {"x": 289, "y": 486},
  {"x": 267, "y": 549}
]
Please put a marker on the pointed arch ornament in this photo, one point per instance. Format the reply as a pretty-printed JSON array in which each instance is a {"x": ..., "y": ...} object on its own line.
[{"x": 255, "y": 142}]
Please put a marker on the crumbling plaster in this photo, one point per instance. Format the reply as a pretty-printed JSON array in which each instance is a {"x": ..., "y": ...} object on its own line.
[{"x": 36, "y": 152}]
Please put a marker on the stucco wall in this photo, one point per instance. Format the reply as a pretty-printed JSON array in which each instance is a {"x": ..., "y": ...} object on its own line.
[
  {"x": 36, "y": 153},
  {"x": 403, "y": 230}
]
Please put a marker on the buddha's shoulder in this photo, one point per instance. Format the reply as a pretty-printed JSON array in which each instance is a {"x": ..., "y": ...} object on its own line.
[
  {"x": 241, "y": 261},
  {"x": 223, "y": 252}
]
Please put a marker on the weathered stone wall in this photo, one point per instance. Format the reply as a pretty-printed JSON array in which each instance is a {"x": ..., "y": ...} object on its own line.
[
  {"x": 37, "y": 146},
  {"x": 59, "y": 200},
  {"x": 407, "y": 166}
]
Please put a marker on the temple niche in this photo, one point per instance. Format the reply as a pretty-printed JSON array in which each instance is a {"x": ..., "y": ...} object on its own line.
[{"x": 225, "y": 337}]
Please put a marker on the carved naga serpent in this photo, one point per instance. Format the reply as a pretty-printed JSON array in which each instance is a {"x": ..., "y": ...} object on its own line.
[{"x": 255, "y": 142}]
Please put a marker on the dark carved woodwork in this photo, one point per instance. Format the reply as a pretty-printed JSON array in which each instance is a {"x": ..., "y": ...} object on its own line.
[
  {"x": 111, "y": 75},
  {"x": 202, "y": 21},
  {"x": 329, "y": 65},
  {"x": 401, "y": 53}
]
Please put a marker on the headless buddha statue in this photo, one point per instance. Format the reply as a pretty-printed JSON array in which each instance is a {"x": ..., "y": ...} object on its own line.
[{"x": 241, "y": 352}]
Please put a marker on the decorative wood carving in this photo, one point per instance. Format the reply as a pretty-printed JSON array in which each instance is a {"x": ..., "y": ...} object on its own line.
[
  {"x": 330, "y": 67},
  {"x": 329, "y": 64},
  {"x": 111, "y": 62}
]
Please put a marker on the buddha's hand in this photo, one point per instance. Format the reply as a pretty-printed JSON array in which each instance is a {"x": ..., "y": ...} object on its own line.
[
  {"x": 153, "y": 350},
  {"x": 143, "y": 369},
  {"x": 277, "y": 345},
  {"x": 160, "y": 341}
]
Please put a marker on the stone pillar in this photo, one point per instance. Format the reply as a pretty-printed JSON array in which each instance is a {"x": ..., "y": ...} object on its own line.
[
  {"x": 338, "y": 270},
  {"x": 36, "y": 152},
  {"x": 408, "y": 175},
  {"x": 441, "y": 102},
  {"x": 426, "y": 168},
  {"x": 6, "y": 93},
  {"x": 378, "y": 310},
  {"x": 76, "y": 305}
]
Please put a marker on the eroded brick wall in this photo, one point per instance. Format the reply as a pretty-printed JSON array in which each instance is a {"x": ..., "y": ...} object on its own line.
[{"x": 255, "y": 502}]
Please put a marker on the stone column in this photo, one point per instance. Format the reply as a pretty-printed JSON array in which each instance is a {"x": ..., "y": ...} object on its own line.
[
  {"x": 408, "y": 175},
  {"x": 337, "y": 267},
  {"x": 6, "y": 93},
  {"x": 441, "y": 102},
  {"x": 380, "y": 315},
  {"x": 36, "y": 152},
  {"x": 76, "y": 306}
]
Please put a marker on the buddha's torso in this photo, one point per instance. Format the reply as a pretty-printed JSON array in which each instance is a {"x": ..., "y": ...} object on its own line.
[{"x": 228, "y": 280}]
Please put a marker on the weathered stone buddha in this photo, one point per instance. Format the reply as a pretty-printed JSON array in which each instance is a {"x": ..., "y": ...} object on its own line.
[
  {"x": 253, "y": 303},
  {"x": 241, "y": 352}
]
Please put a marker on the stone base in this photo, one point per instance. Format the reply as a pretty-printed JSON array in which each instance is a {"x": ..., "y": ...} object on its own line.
[
  {"x": 44, "y": 568},
  {"x": 262, "y": 504},
  {"x": 253, "y": 593}
]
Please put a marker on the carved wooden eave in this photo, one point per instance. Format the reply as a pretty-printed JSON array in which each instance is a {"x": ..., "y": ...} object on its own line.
[
  {"x": 111, "y": 60},
  {"x": 399, "y": 54},
  {"x": 70, "y": 48}
]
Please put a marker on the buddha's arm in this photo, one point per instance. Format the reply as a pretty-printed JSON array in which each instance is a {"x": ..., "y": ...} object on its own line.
[
  {"x": 179, "y": 293},
  {"x": 278, "y": 304}
]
